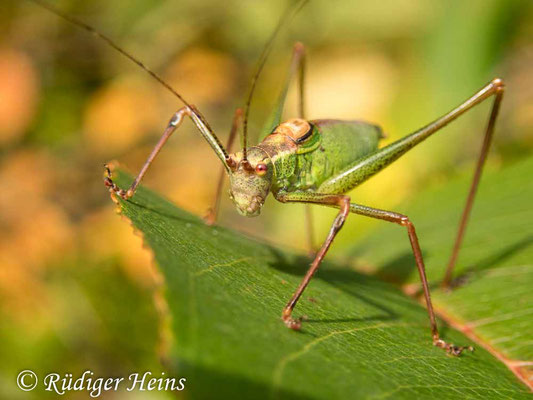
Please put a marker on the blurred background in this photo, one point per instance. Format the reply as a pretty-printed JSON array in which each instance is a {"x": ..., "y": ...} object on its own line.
[{"x": 77, "y": 289}]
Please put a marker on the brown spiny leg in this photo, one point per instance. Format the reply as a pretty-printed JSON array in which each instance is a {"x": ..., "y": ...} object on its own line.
[
  {"x": 173, "y": 124},
  {"x": 498, "y": 91},
  {"x": 212, "y": 213},
  {"x": 403, "y": 220},
  {"x": 341, "y": 201}
]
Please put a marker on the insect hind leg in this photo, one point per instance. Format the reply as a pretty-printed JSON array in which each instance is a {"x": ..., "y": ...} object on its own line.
[{"x": 499, "y": 90}]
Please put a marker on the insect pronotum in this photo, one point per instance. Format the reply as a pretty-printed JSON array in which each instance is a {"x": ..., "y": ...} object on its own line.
[{"x": 313, "y": 162}]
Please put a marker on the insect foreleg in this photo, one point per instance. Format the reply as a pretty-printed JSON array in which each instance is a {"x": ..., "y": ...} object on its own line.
[
  {"x": 173, "y": 124},
  {"x": 341, "y": 201},
  {"x": 212, "y": 213}
]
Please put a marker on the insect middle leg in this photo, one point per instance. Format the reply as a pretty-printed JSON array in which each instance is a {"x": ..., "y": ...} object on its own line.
[
  {"x": 212, "y": 213},
  {"x": 404, "y": 221},
  {"x": 343, "y": 202}
]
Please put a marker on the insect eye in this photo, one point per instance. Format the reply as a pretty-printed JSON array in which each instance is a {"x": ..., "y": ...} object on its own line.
[{"x": 261, "y": 169}]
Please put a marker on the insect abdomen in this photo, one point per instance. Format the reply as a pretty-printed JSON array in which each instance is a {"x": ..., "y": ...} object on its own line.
[
  {"x": 332, "y": 146},
  {"x": 341, "y": 143}
]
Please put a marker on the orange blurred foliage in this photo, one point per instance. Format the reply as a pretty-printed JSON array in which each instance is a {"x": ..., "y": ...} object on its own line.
[
  {"x": 19, "y": 89},
  {"x": 204, "y": 75},
  {"x": 35, "y": 229},
  {"x": 119, "y": 115},
  {"x": 101, "y": 235}
]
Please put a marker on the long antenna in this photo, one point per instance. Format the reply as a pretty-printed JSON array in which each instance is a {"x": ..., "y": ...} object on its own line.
[
  {"x": 291, "y": 11},
  {"x": 111, "y": 43}
]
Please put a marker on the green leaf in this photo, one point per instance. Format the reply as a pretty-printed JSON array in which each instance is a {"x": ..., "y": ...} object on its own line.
[
  {"x": 363, "y": 337},
  {"x": 494, "y": 299}
]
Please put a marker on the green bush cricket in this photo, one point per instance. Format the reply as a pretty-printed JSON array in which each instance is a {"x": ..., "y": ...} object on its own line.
[{"x": 313, "y": 162}]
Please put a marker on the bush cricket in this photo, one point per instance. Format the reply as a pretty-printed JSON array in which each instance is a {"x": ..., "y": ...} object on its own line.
[{"x": 312, "y": 162}]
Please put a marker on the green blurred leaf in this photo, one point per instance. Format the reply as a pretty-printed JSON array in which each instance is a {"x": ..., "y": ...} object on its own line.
[
  {"x": 495, "y": 299},
  {"x": 363, "y": 337}
]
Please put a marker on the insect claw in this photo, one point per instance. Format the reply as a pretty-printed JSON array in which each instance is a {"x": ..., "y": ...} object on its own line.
[
  {"x": 107, "y": 178},
  {"x": 113, "y": 186},
  {"x": 294, "y": 324},
  {"x": 457, "y": 350},
  {"x": 108, "y": 170},
  {"x": 450, "y": 348},
  {"x": 209, "y": 217}
]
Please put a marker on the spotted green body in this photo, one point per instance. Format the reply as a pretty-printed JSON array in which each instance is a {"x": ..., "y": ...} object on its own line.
[
  {"x": 332, "y": 146},
  {"x": 330, "y": 157},
  {"x": 301, "y": 156}
]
